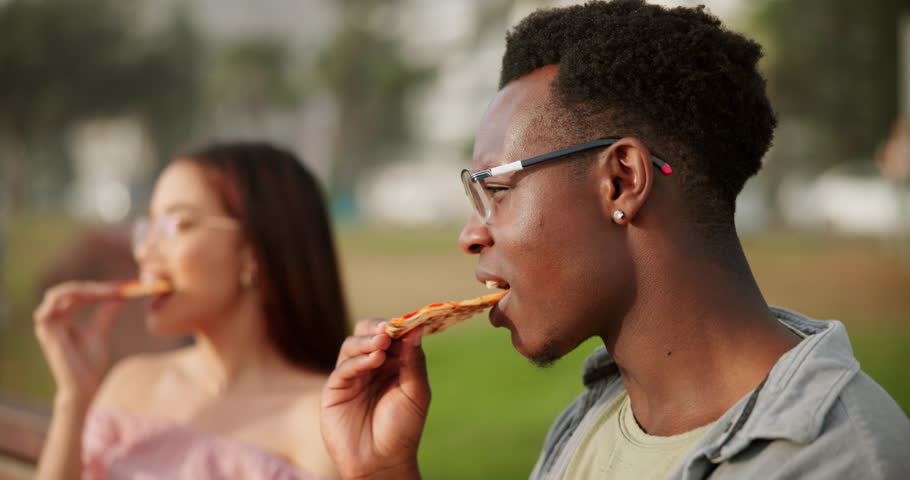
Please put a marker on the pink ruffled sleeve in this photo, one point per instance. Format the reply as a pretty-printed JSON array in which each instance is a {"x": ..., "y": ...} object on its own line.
[
  {"x": 100, "y": 435},
  {"x": 119, "y": 446}
]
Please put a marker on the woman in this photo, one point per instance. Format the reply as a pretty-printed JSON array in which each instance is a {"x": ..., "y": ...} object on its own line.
[{"x": 241, "y": 233}]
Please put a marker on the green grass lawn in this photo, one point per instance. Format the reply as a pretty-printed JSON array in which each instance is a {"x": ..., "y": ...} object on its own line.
[{"x": 491, "y": 408}]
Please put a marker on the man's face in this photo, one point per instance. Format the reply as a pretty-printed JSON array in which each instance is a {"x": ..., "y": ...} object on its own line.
[{"x": 548, "y": 239}]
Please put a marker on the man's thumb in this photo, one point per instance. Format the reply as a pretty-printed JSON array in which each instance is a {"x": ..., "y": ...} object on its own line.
[{"x": 413, "y": 364}]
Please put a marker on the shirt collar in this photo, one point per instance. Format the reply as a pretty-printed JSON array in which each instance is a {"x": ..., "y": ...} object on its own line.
[{"x": 794, "y": 399}]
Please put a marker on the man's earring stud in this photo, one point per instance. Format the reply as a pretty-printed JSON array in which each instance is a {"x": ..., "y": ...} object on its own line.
[{"x": 618, "y": 215}]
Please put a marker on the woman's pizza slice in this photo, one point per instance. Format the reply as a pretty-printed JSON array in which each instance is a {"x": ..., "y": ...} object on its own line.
[{"x": 139, "y": 288}]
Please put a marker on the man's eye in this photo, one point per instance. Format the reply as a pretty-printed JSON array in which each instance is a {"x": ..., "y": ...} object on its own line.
[{"x": 494, "y": 189}]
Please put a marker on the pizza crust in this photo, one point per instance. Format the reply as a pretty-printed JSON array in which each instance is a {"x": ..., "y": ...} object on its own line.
[
  {"x": 138, "y": 288},
  {"x": 440, "y": 316}
]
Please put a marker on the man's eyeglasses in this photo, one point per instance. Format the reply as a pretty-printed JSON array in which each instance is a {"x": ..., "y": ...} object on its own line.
[{"x": 480, "y": 197}]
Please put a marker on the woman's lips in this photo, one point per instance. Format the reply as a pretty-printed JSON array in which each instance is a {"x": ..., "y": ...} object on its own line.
[{"x": 158, "y": 301}]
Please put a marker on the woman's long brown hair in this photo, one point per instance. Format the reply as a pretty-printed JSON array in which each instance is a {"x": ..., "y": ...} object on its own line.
[{"x": 280, "y": 206}]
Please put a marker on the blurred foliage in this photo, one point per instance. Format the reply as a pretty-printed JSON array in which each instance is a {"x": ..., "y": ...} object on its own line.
[
  {"x": 168, "y": 84},
  {"x": 371, "y": 79},
  {"x": 833, "y": 70},
  {"x": 250, "y": 76},
  {"x": 66, "y": 61}
]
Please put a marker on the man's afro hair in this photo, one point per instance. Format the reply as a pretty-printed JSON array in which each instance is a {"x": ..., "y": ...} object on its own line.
[{"x": 677, "y": 77}]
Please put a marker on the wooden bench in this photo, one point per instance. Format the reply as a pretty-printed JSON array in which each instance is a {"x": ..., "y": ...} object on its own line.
[{"x": 22, "y": 430}]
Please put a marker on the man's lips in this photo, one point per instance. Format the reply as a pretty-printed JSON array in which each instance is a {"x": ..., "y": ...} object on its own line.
[
  {"x": 491, "y": 284},
  {"x": 490, "y": 280},
  {"x": 498, "y": 317}
]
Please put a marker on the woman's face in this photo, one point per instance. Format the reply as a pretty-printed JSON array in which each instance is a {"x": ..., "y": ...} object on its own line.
[{"x": 192, "y": 243}]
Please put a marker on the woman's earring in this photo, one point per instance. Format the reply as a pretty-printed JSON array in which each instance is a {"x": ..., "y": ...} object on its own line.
[
  {"x": 618, "y": 215},
  {"x": 246, "y": 278}
]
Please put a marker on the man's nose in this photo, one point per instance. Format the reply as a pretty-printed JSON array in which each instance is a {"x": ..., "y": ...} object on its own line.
[{"x": 475, "y": 236}]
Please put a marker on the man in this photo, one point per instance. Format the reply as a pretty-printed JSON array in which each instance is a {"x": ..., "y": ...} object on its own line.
[{"x": 631, "y": 239}]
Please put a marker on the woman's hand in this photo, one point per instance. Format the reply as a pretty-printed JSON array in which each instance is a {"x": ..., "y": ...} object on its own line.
[
  {"x": 375, "y": 404},
  {"x": 78, "y": 355}
]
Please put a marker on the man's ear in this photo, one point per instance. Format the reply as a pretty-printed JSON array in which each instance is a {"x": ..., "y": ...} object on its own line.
[{"x": 625, "y": 177}]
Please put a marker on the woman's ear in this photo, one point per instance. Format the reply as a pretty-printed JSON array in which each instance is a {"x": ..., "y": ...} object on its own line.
[{"x": 625, "y": 178}]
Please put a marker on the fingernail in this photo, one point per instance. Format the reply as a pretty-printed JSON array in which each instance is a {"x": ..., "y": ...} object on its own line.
[{"x": 419, "y": 339}]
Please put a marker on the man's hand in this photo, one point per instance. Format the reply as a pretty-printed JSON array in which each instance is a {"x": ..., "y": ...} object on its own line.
[{"x": 375, "y": 404}]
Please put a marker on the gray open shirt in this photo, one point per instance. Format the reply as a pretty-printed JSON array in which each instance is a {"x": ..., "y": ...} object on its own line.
[{"x": 816, "y": 415}]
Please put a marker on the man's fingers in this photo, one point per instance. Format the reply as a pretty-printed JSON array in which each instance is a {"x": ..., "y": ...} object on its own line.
[
  {"x": 368, "y": 326},
  {"x": 413, "y": 368},
  {"x": 357, "y": 366},
  {"x": 380, "y": 327},
  {"x": 340, "y": 386},
  {"x": 363, "y": 345}
]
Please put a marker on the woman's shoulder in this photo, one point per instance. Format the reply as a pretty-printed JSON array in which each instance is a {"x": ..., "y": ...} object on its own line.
[
  {"x": 301, "y": 393},
  {"x": 130, "y": 381},
  {"x": 302, "y": 437}
]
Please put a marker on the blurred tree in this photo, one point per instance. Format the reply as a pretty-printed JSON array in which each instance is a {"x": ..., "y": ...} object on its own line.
[
  {"x": 370, "y": 79},
  {"x": 167, "y": 84},
  {"x": 492, "y": 18},
  {"x": 832, "y": 72},
  {"x": 251, "y": 76},
  {"x": 62, "y": 61},
  {"x": 68, "y": 60}
]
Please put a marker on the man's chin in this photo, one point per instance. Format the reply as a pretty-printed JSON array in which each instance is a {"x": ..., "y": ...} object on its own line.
[
  {"x": 543, "y": 357},
  {"x": 543, "y": 361}
]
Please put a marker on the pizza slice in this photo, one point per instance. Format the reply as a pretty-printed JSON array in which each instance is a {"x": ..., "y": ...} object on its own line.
[
  {"x": 138, "y": 288},
  {"x": 437, "y": 317}
]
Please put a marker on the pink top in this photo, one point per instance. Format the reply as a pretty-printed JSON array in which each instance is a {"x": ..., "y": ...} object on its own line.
[{"x": 119, "y": 446}]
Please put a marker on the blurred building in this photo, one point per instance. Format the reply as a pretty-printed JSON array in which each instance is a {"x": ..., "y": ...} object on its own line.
[
  {"x": 847, "y": 199},
  {"x": 422, "y": 187},
  {"x": 461, "y": 41}
]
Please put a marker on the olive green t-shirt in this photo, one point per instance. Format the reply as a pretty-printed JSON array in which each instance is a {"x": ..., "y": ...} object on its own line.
[{"x": 617, "y": 448}]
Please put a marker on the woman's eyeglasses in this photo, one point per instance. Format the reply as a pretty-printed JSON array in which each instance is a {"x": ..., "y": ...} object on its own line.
[{"x": 164, "y": 230}]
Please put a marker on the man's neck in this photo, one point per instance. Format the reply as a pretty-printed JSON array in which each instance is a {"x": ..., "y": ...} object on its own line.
[{"x": 700, "y": 338}]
